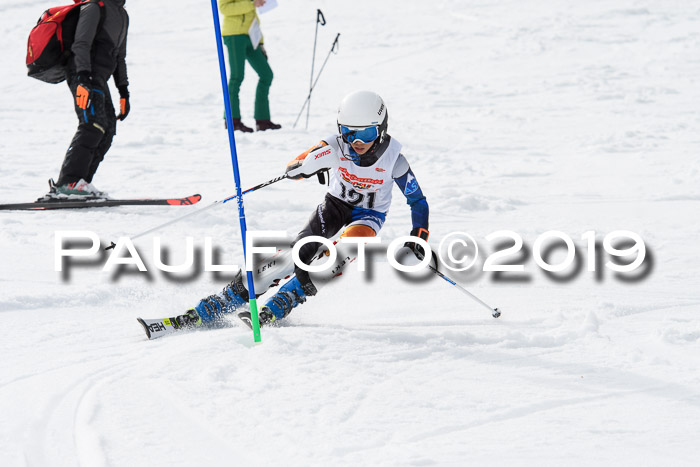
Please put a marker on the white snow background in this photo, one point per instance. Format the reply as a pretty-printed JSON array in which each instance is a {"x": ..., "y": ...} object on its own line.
[{"x": 528, "y": 116}]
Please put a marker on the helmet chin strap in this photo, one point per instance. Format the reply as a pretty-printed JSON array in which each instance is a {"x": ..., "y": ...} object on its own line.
[
  {"x": 369, "y": 154},
  {"x": 355, "y": 157}
]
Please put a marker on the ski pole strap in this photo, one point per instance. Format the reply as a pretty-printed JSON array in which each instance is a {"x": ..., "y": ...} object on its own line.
[
  {"x": 336, "y": 45},
  {"x": 320, "y": 18}
]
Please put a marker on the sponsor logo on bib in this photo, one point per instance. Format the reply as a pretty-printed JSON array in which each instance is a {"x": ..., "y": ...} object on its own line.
[{"x": 359, "y": 182}]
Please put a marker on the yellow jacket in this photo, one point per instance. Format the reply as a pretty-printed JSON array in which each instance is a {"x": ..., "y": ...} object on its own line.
[{"x": 238, "y": 14}]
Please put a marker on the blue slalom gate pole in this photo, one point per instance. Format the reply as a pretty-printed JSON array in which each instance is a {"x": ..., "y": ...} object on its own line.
[{"x": 236, "y": 173}]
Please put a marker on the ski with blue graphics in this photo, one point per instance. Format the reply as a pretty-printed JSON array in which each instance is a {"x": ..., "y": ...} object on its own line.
[{"x": 99, "y": 203}]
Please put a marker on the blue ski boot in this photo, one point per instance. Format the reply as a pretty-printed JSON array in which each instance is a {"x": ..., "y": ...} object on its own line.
[
  {"x": 233, "y": 296},
  {"x": 288, "y": 296},
  {"x": 278, "y": 306}
]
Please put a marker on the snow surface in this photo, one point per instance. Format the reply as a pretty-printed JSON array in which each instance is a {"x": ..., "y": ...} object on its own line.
[{"x": 527, "y": 116}]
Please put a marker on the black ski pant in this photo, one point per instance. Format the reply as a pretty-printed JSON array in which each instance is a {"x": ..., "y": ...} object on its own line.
[
  {"x": 97, "y": 125},
  {"x": 326, "y": 221}
]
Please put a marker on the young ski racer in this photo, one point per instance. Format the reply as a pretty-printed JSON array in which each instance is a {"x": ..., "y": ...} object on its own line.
[{"x": 364, "y": 163}]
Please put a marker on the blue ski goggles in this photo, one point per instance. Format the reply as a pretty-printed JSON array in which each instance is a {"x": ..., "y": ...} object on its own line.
[{"x": 363, "y": 135}]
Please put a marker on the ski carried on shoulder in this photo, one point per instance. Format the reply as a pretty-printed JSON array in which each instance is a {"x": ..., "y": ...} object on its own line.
[{"x": 100, "y": 203}]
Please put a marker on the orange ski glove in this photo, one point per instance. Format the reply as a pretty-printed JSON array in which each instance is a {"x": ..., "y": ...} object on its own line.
[
  {"x": 82, "y": 91},
  {"x": 124, "y": 106}
]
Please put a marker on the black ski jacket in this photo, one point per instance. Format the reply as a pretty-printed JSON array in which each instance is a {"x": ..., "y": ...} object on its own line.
[{"x": 100, "y": 41}]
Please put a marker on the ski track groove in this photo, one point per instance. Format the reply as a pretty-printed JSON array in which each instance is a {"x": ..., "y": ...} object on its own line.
[
  {"x": 520, "y": 412},
  {"x": 87, "y": 448},
  {"x": 197, "y": 421}
]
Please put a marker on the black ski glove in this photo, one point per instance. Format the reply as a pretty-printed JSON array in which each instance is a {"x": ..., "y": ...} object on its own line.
[
  {"x": 414, "y": 247},
  {"x": 83, "y": 89},
  {"x": 124, "y": 106}
]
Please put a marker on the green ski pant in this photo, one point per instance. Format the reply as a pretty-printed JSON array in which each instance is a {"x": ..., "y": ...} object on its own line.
[{"x": 241, "y": 49}]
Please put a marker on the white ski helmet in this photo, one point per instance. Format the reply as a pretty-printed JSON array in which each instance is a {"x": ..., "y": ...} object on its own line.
[{"x": 361, "y": 109}]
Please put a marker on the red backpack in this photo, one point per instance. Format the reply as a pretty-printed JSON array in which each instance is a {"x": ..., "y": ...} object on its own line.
[{"x": 48, "y": 47}]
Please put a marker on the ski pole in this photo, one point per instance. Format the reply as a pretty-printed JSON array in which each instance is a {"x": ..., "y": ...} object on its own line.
[
  {"x": 257, "y": 187},
  {"x": 495, "y": 312},
  {"x": 334, "y": 49},
  {"x": 320, "y": 19},
  {"x": 199, "y": 211}
]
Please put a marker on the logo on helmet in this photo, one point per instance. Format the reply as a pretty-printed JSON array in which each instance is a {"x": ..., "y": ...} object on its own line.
[{"x": 381, "y": 109}]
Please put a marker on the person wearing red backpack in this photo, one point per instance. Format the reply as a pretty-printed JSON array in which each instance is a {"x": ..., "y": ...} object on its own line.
[{"x": 98, "y": 53}]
